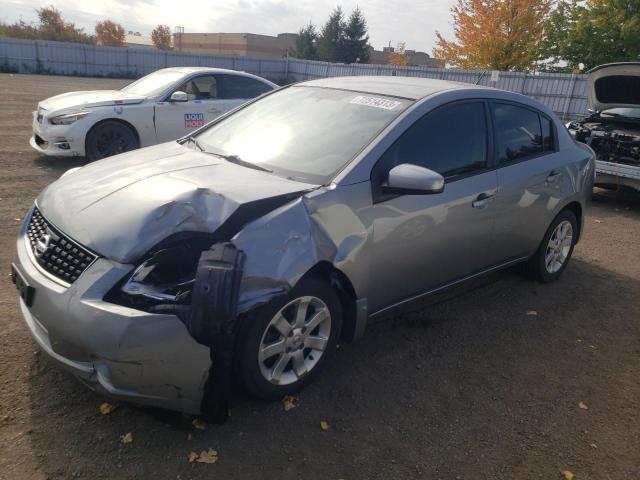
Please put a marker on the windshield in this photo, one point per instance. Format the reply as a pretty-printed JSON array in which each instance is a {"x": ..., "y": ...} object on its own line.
[
  {"x": 622, "y": 111},
  {"x": 304, "y": 133},
  {"x": 154, "y": 84}
]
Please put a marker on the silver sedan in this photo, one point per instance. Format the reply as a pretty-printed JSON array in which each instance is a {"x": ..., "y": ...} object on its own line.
[{"x": 245, "y": 250}]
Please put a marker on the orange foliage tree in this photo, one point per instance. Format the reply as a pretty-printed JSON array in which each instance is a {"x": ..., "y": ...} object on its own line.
[
  {"x": 399, "y": 59},
  {"x": 495, "y": 34},
  {"x": 110, "y": 34}
]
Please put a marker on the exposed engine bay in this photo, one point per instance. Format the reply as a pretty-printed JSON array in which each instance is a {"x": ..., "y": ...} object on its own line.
[{"x": 612, "y": 141}]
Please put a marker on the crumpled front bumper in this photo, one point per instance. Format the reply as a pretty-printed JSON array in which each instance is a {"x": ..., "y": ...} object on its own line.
[{"x": 124, "y": 353}]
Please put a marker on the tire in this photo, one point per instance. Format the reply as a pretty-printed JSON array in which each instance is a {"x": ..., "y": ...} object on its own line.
[
  {"x": 108, "y": 138},
  {"x": 291, "y": 341},
  {"x": 539, "y": 267}
]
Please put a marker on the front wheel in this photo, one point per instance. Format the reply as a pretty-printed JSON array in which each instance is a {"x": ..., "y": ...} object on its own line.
[
  {"x": 110, "y": 138},
  {"x": 556, "y": 248},
  {"x": 286, "y": 344}
]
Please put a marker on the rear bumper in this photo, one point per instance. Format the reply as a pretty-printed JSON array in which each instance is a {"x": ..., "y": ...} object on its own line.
[{"x": 124, "y": 353}]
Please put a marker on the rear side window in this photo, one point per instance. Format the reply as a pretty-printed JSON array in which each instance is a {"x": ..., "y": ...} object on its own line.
[
  {"x": 451, "y": 140},
  {"x": 518, "y": 132},
  {"x": 234, "y": 87}
]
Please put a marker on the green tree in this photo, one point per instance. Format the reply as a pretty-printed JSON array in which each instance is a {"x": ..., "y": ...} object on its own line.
[
  {"x": 53, "y": 27},
  {"x": 592, "y": 33},
  {"x": 332, "y": 36},
  {"x": 161, "y": 37},
  {"x": 356, "y": 40},
  {"x": 110, "y": 34},
  {"x": 306, "y": 43}
]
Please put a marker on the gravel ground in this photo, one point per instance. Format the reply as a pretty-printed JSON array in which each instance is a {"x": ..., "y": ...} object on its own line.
[{"x": 472, "y": 387}]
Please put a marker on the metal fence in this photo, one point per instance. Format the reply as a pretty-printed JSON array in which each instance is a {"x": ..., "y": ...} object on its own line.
[{"x": 563, "y": 93}]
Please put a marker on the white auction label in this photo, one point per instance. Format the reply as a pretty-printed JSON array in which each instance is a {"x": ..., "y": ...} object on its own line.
[{"x": 376, "y": 102}]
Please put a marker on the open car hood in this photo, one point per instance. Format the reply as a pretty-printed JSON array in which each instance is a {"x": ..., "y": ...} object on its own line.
[
  {"x": 122, "y": 206},
  {"x": 614, "y": 85}
]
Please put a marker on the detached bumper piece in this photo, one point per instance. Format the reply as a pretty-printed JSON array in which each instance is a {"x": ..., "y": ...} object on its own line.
[{"x": 212, "y": 319}]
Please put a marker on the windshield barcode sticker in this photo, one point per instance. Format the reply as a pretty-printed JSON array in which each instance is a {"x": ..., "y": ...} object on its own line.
[{"x": 375, "y": 102}]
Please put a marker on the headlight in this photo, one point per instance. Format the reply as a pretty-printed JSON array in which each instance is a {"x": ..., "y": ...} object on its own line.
[{"x": 67, "y": 118}]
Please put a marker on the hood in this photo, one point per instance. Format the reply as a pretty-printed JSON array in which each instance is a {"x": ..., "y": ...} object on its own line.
[
  {"x": 614, "y": 85},
  {"x": 92, "y": 98},
  {"x": 122, "y": 206}
]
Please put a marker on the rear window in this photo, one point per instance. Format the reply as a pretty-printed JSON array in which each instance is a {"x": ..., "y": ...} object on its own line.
[
  {"x": 518, "y": 132},
  {"x": 234, "y": 87}
]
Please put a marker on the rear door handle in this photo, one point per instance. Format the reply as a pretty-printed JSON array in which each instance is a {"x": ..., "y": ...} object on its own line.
[
  {"x": 553, "y": 176},
  {"x": 482, "y": 200}
]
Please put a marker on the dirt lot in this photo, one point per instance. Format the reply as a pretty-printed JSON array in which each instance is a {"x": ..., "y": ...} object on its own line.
[{"x": 469, "y": 388}]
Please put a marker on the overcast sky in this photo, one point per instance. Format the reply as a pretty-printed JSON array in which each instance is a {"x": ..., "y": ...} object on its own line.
[{"x": 413, "y": 22}]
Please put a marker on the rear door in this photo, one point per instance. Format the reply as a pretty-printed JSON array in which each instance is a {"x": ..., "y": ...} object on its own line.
[
  {"x": 176, "y": 119},
  {"x": 531, "y": 174},
  {"x": 238, "y": 89},
  {"x": 422, "y": 242}
]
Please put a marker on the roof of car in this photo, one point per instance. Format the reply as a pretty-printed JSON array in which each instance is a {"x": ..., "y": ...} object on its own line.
[
  {"x": 190, "y": 70},
  {"x": 406, "y": 87}
]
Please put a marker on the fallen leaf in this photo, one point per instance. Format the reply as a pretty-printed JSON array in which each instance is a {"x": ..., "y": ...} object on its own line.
[
  {"x": 189, "y": 437},
  {"x": 593, "y": 445},
  {"x": 289, "y": 402},
  {"x": 324, "y": 425},
  {"x": 198, "y": 424},
  {"x": 193, "y": 456},
  {"x": 532, "y": 313},
  {"x": 107, "y": 408},
  {"x": 583, "y": 406},
  {"x": 209, "y": 456},
  {"x": 126, "y": 438},
  {"x": 597, "y": 221},
  {"x": 566, "y": 474}
]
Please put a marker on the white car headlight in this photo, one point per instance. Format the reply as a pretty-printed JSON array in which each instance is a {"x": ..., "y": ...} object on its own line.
[{"x": 67, "y": 118}]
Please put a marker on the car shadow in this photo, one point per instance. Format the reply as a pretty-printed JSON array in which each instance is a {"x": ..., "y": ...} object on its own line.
[
  {"x": 58, "y": 165},
  {"x": 462, "y": 373}
]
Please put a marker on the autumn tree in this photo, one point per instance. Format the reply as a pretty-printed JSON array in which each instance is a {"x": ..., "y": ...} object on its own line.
[
  {"x": 53, "y": 27},
  {"x": 356, "y": 39},
  {"x": 306, "y": 43},
  {"x": 399, "y": 59},
  {"x": 495, "y": 34},
  {"x": 110, "y": 34},
  {"x": 161, "y": 37},
  {"x": 591, "y": 33}
]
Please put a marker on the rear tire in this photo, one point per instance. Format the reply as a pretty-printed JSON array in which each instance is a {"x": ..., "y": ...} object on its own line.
[
  {"x": 286, "y": 344},
  {"x": 108, "y": 138},
  {"x": 555, "y": 250}
]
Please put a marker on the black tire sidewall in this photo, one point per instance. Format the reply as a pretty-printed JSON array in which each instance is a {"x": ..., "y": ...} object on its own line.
[
  {"x": 253, "y": 328},
  {"x": 541, "y": 270},
  {"x": 90, "y": 145}
]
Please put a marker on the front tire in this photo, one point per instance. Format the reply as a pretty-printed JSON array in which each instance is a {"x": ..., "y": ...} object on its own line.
[
  {"x": 555, "y": 250},
  {"x": 284, "y": 347},
  {"x": 110, "y": 138}
]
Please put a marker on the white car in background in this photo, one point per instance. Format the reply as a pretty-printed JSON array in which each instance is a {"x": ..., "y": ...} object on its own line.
[{"x": 162, "y": 106}]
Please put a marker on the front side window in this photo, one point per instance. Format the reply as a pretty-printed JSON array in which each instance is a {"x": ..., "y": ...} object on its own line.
[
  {"x": 201, "y": 88},
  {"x": 451, "y": 140},
  {"x": 235, "y": 86},
  {"x": 303, "y": 133},
  {"x": 517, "y": 131}
]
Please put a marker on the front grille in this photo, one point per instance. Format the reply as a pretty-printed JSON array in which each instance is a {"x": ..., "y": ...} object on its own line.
[{"x": 56, "y": 253}]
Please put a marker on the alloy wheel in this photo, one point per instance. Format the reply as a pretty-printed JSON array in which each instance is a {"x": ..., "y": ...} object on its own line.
[{"x": 558, "y": 247}]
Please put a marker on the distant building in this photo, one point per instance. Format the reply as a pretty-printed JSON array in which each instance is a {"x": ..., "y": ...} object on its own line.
[
  {"x": 381, "y": 57},
  {"x": 242, "y": 44},
  {"x": 136, "y": 40}
]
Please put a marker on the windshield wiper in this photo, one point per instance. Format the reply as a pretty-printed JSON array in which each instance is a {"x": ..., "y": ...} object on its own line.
[
  {"x": 193, "y": 140},
  {"x": 238, "y": 161}
]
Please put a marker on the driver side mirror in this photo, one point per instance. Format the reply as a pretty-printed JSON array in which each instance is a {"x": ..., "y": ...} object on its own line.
[
  {"x": 179, "y": 97},
  {"x": 410, "y": 179}
]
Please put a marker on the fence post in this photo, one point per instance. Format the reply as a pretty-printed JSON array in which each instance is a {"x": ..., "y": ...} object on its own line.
[
  {"x": 326, "y": 72},
  {"x": 38, "y": 65},
  {"x": 84, "y": 54},
  {"x": 567, "y": 103},
  {"x": 523, "y": 91},
  {"x": 165, "y": 59},
  {"x": 306, "y": 69}
]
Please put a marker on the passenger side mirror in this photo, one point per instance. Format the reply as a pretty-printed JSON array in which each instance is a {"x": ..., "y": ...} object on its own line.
[
  {"x": 410, "y": 179},
  {"x": 179, "y": 97}
]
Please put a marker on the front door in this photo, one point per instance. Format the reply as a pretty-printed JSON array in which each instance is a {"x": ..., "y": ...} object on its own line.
[
  {"x": 176, "y": 119},
  {"x": 422, "y": 242}
]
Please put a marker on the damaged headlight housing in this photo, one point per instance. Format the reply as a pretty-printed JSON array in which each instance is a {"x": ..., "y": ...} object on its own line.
[{"x": 67, "y": 118}]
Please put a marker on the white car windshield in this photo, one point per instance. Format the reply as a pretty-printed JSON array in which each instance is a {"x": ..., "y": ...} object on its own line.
[
  {"x": 305, "y": 133},
  {"x": 154, "y": 84}
]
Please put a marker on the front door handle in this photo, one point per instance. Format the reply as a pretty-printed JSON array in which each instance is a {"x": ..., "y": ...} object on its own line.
[
  {"x": 482, "y": 200},
  {"x": 553, "y": 176}
]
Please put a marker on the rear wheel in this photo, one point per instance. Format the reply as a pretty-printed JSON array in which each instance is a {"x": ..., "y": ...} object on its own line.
[
  {"x": 556, "y": 248},
  {"x": 110, "y": 138},
  {"x": 286, "y": 345}
]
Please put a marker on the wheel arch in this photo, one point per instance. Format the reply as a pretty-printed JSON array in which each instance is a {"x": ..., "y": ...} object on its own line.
[{"x": 576, "y": 208}]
